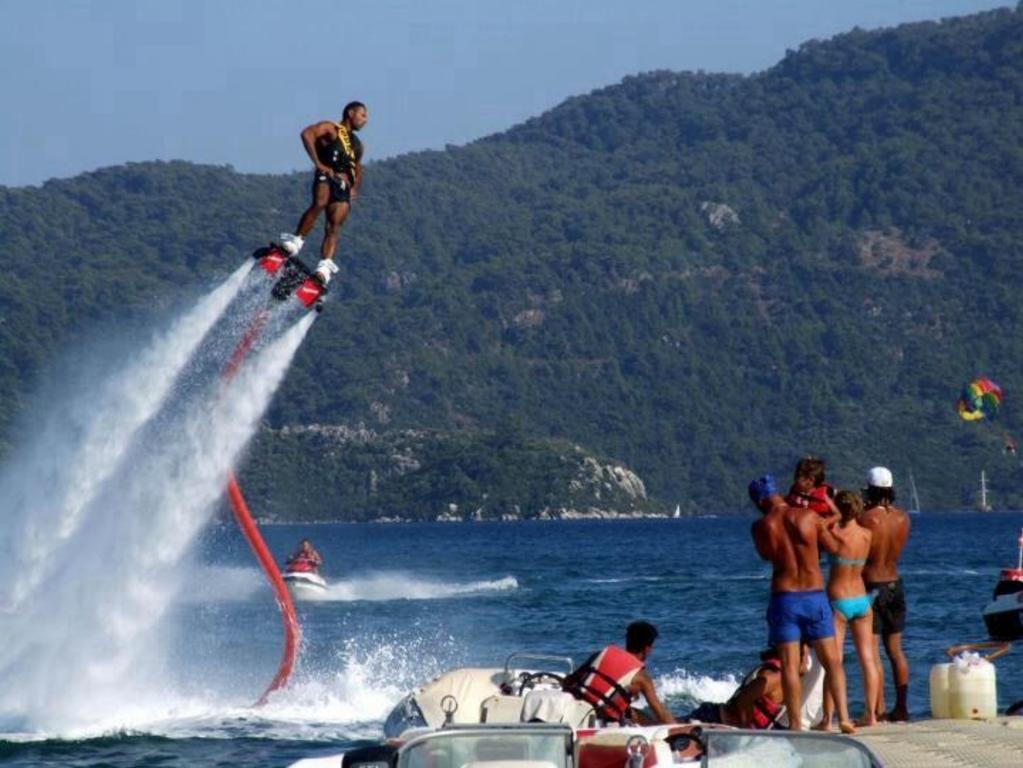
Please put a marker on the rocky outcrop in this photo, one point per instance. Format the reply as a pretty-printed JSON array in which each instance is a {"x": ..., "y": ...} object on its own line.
[{"x": 404, "y": 475}]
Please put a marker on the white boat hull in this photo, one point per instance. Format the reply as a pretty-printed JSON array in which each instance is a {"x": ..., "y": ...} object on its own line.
[{"x": 304, "y": 585}]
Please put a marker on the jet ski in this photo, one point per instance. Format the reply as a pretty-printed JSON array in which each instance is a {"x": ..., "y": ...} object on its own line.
[
  {"x": 1004, "y": 614},
  {"x": 303, "y": 581}
]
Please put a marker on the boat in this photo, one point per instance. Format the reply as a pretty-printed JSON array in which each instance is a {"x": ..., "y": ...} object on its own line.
[
  {"x": 547, "y": 745},
  {"x": 914, "y": 498},
  {"x": 678, "y": 511},
  {"x": 501, "y": 718},
  {"x": 518, "y": 692},
  {"x": 983, "y": 505},
  {"x": 1004, "y": 614},
  {"x": 305, "y": 585}
]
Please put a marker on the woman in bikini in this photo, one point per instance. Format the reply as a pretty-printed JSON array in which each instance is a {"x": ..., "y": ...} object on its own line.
[{"x": 847, "y": 544}]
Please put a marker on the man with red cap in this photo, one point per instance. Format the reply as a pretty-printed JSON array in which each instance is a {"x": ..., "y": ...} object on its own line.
[{"x": 799, "y": 610}]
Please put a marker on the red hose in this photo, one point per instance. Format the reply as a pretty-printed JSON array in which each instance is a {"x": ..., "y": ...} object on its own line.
[{"x": 292, "y": 631}]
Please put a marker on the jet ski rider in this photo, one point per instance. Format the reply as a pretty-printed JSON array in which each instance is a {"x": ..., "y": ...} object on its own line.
[{"x": 305, "y": 559}]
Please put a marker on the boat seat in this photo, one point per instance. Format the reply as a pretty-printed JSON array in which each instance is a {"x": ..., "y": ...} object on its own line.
[
  {"x": 555, "y": 706},
  {"x": 500, "y": 708}
]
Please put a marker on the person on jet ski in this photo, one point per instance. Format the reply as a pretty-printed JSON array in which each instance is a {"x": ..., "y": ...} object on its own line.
[
  {"x": 610, "y": 679},
  {"x": 305, "y": 559}
]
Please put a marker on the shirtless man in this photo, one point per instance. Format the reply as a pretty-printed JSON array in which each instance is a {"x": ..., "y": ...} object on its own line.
[
  {"x": 336, "y": 153},
  {"x": 890, "y": 528},
  {"x": 799, "y": 610}
]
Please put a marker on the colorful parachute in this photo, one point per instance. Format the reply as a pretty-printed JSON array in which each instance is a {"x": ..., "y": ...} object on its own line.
[{"x": 980, "y": 399}]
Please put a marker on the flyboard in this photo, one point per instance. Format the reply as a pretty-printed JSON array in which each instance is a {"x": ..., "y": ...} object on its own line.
[{"x": 293, "y": 279}]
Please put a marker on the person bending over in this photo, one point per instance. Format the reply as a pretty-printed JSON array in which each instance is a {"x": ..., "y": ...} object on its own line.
[{"x": 612, "y": 678}]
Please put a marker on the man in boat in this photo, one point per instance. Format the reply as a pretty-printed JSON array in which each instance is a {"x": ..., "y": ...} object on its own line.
[
  {"x": 889, "y": 526},
  {"x": 336, "y": 153},
  {"x": 612, "y": 678},
  {"x": 799, "y": 611},
  {"x": 809, "y": 488},
  {"x": 305, "y": 559}
]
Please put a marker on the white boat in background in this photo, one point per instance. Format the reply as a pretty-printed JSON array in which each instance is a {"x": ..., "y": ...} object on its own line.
[
  {"x": 914, "y": 498},
  {"x": 305, "y": 585},
  {"x": 678, "y": 511},
  {"x": 1004, "y": 614},
  {"x": 984, "y": 505}
]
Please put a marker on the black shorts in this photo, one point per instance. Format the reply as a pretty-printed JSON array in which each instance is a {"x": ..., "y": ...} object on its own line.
[
  {"x": 707, "y": 712},
  {"x": 339, "y": 191},
  {"x": 889, "y": 606}
]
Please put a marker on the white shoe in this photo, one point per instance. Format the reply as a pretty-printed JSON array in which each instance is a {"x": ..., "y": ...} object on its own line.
[
  {"x": 325, "y": 270},
  {"x": 291, "y": 244}
]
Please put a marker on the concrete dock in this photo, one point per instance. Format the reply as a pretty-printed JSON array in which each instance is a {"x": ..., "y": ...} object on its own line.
[{"x": 996, "y": 743}]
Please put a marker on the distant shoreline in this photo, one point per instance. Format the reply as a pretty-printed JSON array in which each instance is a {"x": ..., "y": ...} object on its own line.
[
  {"x": 409, "y": 521},
  {"x": 603, "y": 518}
]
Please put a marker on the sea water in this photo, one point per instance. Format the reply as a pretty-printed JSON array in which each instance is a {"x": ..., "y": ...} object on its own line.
[{"x": 407, "y": 601}]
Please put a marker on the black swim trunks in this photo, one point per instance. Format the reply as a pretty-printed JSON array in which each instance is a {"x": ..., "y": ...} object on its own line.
[
  {"x": 339, "y": 190},
  {"x": 707, "y": 712},
  {"x": 889, "y": 606}
]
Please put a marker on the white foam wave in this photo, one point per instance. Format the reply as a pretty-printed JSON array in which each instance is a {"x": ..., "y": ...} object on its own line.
[
  {"x": 80, "y": 441},
  {"x": 401, "y": 586},
  {"x": 952, "y": 571},
  {"x": 89, "y": 651},
  {"x": 222, "y": 583},
  {"x": 682, "y": 684},
  {"x": 344, "y": 699}
]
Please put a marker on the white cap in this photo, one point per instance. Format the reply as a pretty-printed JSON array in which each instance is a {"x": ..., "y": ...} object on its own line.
[{"x": 880, "y": 477}]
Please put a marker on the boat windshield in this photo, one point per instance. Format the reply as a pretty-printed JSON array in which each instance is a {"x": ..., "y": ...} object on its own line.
[
  {"x": 532, "y": 746},
  {"x": 782, "y": 749}
]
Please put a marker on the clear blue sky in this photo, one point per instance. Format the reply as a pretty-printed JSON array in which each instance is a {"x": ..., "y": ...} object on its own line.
[{"x": 90, "y": 84}]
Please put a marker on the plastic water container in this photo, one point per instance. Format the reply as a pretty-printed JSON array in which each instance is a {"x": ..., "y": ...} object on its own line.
[
  {"x": 972, "y": 693},
  {"x": 940, "y": 708}
]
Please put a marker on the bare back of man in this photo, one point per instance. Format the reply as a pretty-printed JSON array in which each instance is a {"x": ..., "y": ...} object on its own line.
[
  {"x": 799, "y": 610},
  {"x": 889, "y": 526}
]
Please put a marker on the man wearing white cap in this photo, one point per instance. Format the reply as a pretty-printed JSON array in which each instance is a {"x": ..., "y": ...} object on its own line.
[{"x": 890, "y": 528}]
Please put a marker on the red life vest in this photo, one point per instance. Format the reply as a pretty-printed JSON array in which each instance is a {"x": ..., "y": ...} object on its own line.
[
  {"x": 816, "y": 499},
  {"x": 766, "y": 711},
  {"x": 603, "y": 680},
  {"x": 301, "y": 564}
]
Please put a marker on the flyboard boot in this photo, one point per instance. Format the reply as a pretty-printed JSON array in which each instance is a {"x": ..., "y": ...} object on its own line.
[
  {"x": 293, "y": 276},
  {"x": 272, "y": 257},
  {"x": 325, "y": 270}
]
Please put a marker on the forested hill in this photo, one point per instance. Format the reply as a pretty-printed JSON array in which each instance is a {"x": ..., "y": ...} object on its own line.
[{"x": 701, "y": 276}]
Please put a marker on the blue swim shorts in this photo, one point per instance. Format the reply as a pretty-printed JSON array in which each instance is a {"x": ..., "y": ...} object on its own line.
[{"x": 794, "y": 616}]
